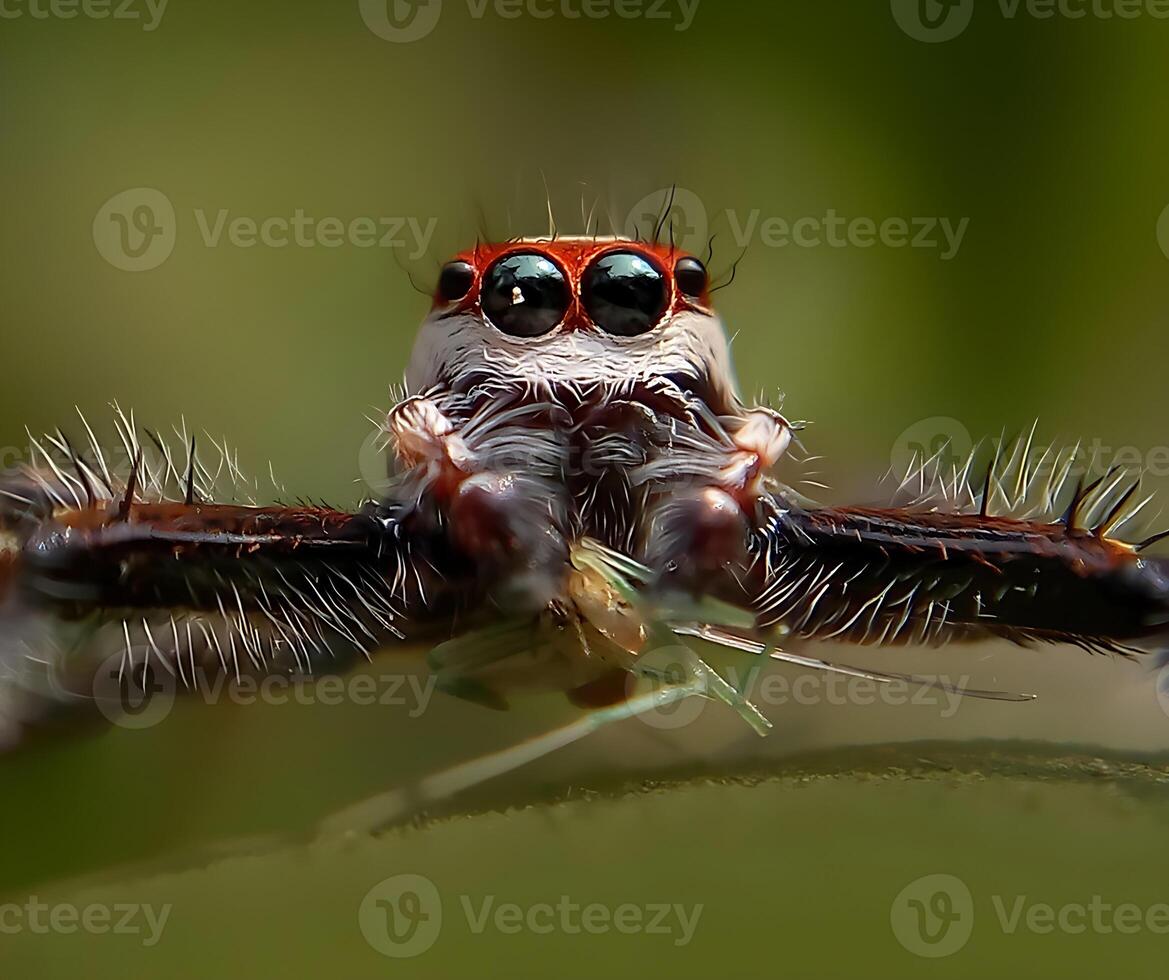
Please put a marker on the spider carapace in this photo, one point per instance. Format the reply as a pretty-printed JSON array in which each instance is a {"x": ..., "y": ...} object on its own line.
[{"x": 575, "y": 479}]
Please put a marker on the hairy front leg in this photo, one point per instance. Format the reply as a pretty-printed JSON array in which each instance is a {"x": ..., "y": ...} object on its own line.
[
  {"x": 899, "y": 576},
  {"x": 491, "y": 479},
  {"x": 706, "y": 486},
  {"x": 910, "y": 575},
  {"x": 139, "y": 568}
]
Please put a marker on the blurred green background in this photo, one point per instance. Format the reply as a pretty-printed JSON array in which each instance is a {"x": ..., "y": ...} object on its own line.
[{"x": 1047, "y": 136}]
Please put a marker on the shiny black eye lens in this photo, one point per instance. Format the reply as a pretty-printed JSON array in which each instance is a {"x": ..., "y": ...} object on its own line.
[
  {"x": 455, "y": 280},
  {"x": 624, "y": 294},
  {"x": 524, "y": 294},
  {"x": 690, "y": 275}
]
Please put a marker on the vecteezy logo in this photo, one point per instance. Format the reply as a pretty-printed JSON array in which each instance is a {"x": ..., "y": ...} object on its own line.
[
  {"x": 1162, "y": 688},
  {"x": 136, "y": 229},
  {"x": 933, "y": 916},
  {"x": 932, "y": 21},
  {"x": 1163, "y": 231},
  {"x": 939, "y": 443},
  {"x": 401, "y": 916},
  {"x": 400, "y": 21},
  {"x": 371, "y": 463},
  {"x": 668, "y": 668},
  {"x": 671, "y": 214},
  {"x": 133, "y": 693}
]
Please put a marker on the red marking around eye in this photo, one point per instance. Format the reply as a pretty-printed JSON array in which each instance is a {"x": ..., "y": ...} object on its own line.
[{"x": 573, "y": 256}]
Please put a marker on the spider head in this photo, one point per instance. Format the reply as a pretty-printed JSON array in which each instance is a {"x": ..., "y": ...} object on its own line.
[{"x": 574, "y": 314}]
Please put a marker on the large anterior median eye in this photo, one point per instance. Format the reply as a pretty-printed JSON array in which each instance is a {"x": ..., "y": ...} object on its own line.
[
  {"x": 524, "y": 294},
  {"x": 624, "y": 294}
]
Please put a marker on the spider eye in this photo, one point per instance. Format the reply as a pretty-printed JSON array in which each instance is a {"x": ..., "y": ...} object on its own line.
[
  {"x": 455, "y": 280},
  {"x": 624, "y": 294},
  {"x": 690, "y": 275},
  {"x": 524, "y": 294}
]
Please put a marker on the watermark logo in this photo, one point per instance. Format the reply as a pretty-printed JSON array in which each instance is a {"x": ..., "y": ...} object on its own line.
[
  {"x": 671, "y": 214},
  {"x": 96, "y": 919},
  {"x": 149, "y": 12},
  {"x": 403, "y": 21},
  {"x": 136, "y": 230},
  {"x": 401, "y": 916},
  {"x": 933, "y": 21},
  {"x": 671, "y": 919},
  {"x": 675, "y": 214},
  {"x": 940, "y": 441},
  {"x": 938, "y": 449},
  {"x": 1097, "y": 915},
  {"x": 666, "y": 668},
  {"x": 134, "y": 695},
  {"x": 400, "y": 21},
  {"x": 138, "y": 690},
  {"x": 1079, "y": 9},
  {"x": 373, "y": 461},
  {"x": 308, "y": 231},
  {"x": 943, "y": 20},
  {"x": 1163, "y": 232},
  {"x": 1161, "y": 687},
  {"x": 933, "y": 916}
]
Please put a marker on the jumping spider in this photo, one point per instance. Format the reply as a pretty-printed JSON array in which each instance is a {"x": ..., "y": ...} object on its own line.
[{"x": 576, "y": 481}]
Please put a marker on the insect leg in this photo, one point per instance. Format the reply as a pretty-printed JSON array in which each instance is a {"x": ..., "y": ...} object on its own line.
[{"x": 395, "y": 805}]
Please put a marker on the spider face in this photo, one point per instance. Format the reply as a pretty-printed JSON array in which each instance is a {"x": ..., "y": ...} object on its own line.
[
  {"x": 574, "y": 477},
  {"x": 572, "y": 315}
]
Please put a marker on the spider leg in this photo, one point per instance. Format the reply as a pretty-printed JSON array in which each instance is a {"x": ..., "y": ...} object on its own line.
[
  {"x": 896, "y": 576},
  {"x": 491, "y": 479},
  {"x": 889, "y": 576},
  {"x": 705, "y": 489},
  {"x": 165, "y": 586}
]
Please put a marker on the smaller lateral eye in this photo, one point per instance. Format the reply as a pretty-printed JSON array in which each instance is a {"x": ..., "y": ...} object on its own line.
[
  {"x": 690, "y": 275},
  {"x": 455, "y": 280}
]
